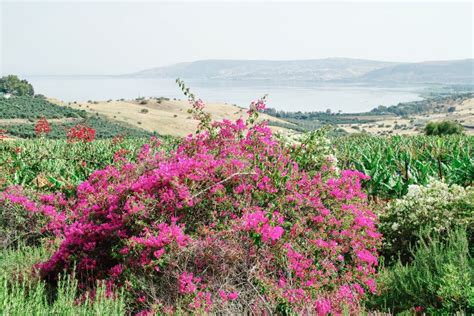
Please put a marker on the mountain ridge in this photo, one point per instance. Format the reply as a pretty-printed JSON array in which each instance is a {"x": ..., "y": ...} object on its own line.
[{"x": 336, "y": 69}]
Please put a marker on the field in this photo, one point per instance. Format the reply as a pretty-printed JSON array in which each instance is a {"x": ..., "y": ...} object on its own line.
[
  {"x": 402, "y": 119},
  {"x": 18, "y": 116},
  {"x": 233, "y": 219},
  {"x": 162, "y": 116}
]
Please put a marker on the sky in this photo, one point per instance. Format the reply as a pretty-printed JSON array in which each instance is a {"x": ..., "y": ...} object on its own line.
[{"x": 70, "y": 38}]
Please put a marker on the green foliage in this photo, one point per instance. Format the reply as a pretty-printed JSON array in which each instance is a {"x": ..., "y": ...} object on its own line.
[
  {"x": 104, "y": 129},
  {"x": 439, "y": 279},
  {"x": 27, "y": 298},
  {"x": 22, "y": 294},
  {"x": 13, "y": 85},
  {"x": 432, "y": 103},
  {"x": 56, "y": 164},
  {"x": 436, "y": 207},
  {"x": 316, "y": 119},
  {"x": 394, "y": 163},
  {"x": 314, "y": 152},
  {"x": 33, "y": 108},
  {"x": 443, "y": 128}
]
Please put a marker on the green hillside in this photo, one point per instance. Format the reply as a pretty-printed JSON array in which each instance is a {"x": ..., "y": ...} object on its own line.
[{"x": 30, "y": 109}]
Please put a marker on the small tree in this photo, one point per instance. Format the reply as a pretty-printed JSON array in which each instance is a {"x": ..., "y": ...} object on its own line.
[
  {"x": 12, "y": 84},
  {"x": 443, "y": 128}
]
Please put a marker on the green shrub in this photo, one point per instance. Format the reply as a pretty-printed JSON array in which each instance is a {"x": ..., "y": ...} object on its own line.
[
  {"x": 439, "y": 280},
  {"x": 443, "y": 128},
  {"x": 436, "y": 207},
  {"x": 314, "y": 152}
]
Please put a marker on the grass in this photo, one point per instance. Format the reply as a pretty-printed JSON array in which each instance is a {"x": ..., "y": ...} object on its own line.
[{"x": 21, "y": 293}]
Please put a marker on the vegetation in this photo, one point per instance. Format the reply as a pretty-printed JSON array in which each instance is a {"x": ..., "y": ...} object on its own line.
[
  {"x": 233, "y": 220},
  {"x": 11, "y": 84},
  {"x": 394, "y": 163},
  {"x": 43, "y": 164},
  {"x": 435, "y": 208},
  {"x": 34, "y": 108},
  {"x": 434, "y": 103},
  {"x": 439, "y": 280},
  {"x": 104, "y": 128},
  {"x": 309, "y": 121},
  {"x": 20, "y": 295},
  {"x": 443, "y": 128},
  {"x": 166, "y": 214}
]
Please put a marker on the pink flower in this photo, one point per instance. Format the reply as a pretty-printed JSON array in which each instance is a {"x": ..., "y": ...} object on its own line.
[
  {"x": 186, "y": 284},
  {"x": 367, "y": 257},
  {"x": 276, "y": 233},
  {"x": 371, "y": 285},
  {"x": 323, "y": 307}
]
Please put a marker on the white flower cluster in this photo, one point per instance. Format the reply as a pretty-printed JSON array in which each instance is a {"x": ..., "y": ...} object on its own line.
[{"x": 436, "y": 206}]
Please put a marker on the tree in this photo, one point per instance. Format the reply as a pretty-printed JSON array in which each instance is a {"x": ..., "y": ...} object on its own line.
[
  {"x": 443, "y": 128},
  {"x": 13, "y": 85}
]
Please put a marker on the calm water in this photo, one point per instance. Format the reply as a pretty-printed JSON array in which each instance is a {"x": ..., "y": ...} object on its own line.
[{"x": 289, "y": 97}]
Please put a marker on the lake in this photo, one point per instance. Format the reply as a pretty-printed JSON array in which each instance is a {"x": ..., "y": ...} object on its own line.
[{"x": 287, "y": 96}]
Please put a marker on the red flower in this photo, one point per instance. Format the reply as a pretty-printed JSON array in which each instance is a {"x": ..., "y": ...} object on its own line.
[
  {"x": 117, "y": 139},
  {"x": 2, "y": 134},
  {"x": 42, "y": 127},
  {"x": 419, "y": 309},
  {"x": 81, "y": 133}
]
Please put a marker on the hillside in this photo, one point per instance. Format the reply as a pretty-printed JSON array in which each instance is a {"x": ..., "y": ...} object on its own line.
[
  {"x": 453, "y": 72},
  {"x": 343, "y": 70},
  {"x": 287, "y": 70},
  {"x": 403, "y": 118},
  {"x": 165, "y": 117},
  {"x": 460, "y": 110},
  {"x": 18, "y": 116}
]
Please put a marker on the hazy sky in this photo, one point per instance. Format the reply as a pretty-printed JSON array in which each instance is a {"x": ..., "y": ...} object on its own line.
[{"x": 114, "y": 38}]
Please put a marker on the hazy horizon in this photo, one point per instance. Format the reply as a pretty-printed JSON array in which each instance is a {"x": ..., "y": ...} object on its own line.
[{"x": 97, "y": 38}]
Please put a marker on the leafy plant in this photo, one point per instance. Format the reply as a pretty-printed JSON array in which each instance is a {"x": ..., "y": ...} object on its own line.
[
  {"x": 439, "y": 280},
  {"x": 395, "y": 163}
]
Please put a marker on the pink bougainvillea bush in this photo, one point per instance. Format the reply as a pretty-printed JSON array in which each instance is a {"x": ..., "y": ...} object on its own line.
[{"x": 226, "y": 222}]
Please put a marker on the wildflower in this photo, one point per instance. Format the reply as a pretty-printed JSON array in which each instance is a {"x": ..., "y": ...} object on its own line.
[
  {"x": 80, "y": 133},
  {"x": 2, "y": 134},
  {"x": 42, "y": 127}
]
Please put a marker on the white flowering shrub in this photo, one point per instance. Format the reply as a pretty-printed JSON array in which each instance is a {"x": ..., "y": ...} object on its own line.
[{"x": 435, "y": 208}]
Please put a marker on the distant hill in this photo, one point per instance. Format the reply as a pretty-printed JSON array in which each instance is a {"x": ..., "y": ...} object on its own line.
[
  {"x": 456, "y": 71},
  {"x": 288, "y": 70},
  {"x": 343, "y": 70}
]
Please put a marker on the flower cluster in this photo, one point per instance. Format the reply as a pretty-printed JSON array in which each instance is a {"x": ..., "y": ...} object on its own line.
[
  {"x": 2, "y": 134},
  {"x": 228, "y": 219},
  {"x": 42, "y": 127},
  {"x": 80, "y": 133},
  {"x": 437, "y": 207}
]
